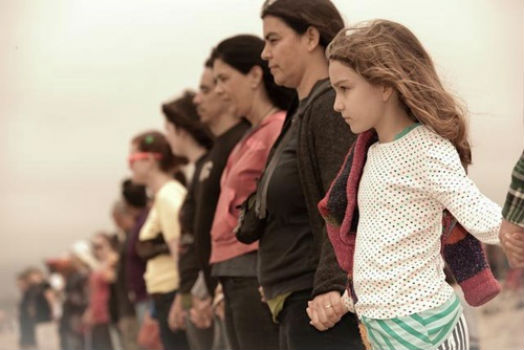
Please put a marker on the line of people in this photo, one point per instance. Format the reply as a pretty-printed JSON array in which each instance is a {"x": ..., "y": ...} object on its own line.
[{"x": 270, "y": 224}]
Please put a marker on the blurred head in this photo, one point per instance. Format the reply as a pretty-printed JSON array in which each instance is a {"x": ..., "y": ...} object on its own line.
[
  {"x": 124, "y": 216},
  {"x": 382, "y": 62},
  {"x": 102, "y": 246},
  {"x": 82, "y": 256},
  {"x": 134, "y": 194},
  {"x": 35, "y": 275},
  {"x": 241, "y": 75},
  {"x": 294, "y": 32},
  {"x": 183, "y": 126},
  {"x": 149, "y": 153},
  {"x": 210, "y": 105},
  {"x": 22, "y": 282}
]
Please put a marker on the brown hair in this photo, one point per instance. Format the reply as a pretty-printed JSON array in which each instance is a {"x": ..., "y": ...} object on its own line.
[
  {"x": 387, "y": 53},
  {"x": 302, "y": 14},
  {"x": 182, "y": 113},
  {"x": 155, "y": 142}
]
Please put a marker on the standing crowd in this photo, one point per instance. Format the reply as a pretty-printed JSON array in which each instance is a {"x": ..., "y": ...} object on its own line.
[{"x": 309, "y": 195}]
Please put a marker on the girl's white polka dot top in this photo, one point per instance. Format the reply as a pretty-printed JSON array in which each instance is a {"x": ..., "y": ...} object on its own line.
[{"x": 405, "y": 186}]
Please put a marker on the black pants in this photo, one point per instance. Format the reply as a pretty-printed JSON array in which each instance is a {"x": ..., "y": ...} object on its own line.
[
  {"x": 248, "y": 319},
  {"x": 100, "y": 337},
  {"x": 171, "y": 340},
  {"x": 297, "y": 333}
]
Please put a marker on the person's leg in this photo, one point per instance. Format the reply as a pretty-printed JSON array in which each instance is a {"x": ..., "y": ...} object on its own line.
[
  {"x": 198, "y": 338},
  {"x": 252, "y": 320},
  {"x": 171, "y": 340},
  {"x": 459, "y": 337},
  {"x": 100, "y": 337},
  {"x": 301, "y": 335},
  {"x": 229, "y": 321},
  {"x": 141, "y": 308},
  {"x": 128, "y": 327},
  {"x": 220, "y": 340}
]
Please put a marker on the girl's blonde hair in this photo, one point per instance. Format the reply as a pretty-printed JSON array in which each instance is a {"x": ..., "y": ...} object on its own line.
[{"x": 387, "y": 53}]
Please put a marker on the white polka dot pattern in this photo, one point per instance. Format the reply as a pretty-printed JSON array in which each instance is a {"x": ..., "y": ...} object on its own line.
[{"x": 405, "y": 186}]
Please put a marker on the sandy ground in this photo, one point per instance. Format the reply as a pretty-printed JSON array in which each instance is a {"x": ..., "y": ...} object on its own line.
[{"x": 500, "y": 325}]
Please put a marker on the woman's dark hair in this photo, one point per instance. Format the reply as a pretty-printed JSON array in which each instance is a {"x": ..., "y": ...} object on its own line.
[
  {"x": 242, "y": 52},
  {"x": 302, "y": 14},
  {"x": 134, "y": 194},
  {"x": 183, "y": 114},
  {"x": 155, "y": 142}
]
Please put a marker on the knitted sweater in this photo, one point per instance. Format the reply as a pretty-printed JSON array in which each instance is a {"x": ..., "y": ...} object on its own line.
[{"x": 461, "y": 251}]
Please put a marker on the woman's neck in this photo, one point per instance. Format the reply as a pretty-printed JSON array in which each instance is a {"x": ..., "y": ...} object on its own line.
[
  {"x": 156, "y": 180},
  {"x": 316, "y": 69},
  {"x": 223, "y": 123},
  {"x": 194, "y": 151},
  {"x": 260, "y": 109}
]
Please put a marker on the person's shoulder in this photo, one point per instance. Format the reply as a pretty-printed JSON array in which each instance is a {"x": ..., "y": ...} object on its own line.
[
  {"x": 171, "y": 191},
  {"x": 430, "y": 140}
]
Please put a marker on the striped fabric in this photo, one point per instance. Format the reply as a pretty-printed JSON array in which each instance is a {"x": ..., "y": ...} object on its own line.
[
  {"x": 459, "y": 338},
  {"x": 513, "y": 210},
  {"x": 424, "y": 330}
]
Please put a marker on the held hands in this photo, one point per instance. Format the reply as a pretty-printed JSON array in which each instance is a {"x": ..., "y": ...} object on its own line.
[
  {"x": 201, "y": 313},
  {"x": 177, "y": 315},
  {"x": 325, "y": 310},
  {"x": 512, "y": 241}
]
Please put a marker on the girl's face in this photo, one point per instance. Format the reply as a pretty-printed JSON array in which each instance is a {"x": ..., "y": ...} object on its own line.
[
  {"x": 234, "y": 86},
  {"x": 361, "y": 104},
  {"x": 100, "y": 247},
  {"x": 284, "y": 51},
  {"x": 175, "y": 138},
  {"x": 140, "y": 167}
]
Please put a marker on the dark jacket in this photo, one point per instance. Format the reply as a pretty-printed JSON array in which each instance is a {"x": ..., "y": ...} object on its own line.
[{"x": 323, "y": 141}]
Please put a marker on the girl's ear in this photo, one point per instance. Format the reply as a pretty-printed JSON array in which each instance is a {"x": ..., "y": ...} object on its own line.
[
  {"x": 255, "y": 76},
  {"x": 387, "y": 92}
]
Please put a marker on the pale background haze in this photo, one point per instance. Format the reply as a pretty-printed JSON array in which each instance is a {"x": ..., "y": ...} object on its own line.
[{"x": 79, "y": 78}]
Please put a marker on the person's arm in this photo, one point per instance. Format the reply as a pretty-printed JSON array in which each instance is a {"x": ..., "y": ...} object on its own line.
[
  {"x": 512, "y": 229},
  {"x": 445, "y": 179},
  {"x": 332, "y": 140}
]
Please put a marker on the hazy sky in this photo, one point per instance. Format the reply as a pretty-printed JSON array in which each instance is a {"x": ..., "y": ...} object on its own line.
[{"x": 79, "y": 78}]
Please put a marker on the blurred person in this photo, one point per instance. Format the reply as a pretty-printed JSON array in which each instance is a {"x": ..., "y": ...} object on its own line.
[
  {"x": 244, "y": 78},
  {"x": 512, "y": 227},
  {"x": 218, "y": 114},
  {"x": 97, "y": 315},
  {"x": 512, "y": 230},
  {"x": 27, "y": 322},
  {"x": 124, "y": 217},
  {"x": 152, "y": 164},
  {"x": 75, "y": 299},
  {"x": 191, "y": 139},
  {"x": 135, "y": 266},
  {"x": 43, "y": 306}
]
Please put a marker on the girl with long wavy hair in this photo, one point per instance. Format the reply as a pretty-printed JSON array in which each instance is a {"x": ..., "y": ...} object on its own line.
[{"x": 413, "y": 167}]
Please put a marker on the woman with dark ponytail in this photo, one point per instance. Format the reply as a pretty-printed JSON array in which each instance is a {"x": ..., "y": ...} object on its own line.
[{"x": 298, "y": 271}]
